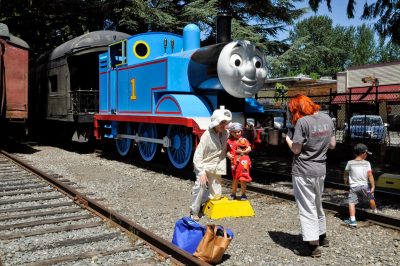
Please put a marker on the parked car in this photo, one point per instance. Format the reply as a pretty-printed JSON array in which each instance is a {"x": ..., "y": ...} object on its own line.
[{"x": 367, "y": 128}]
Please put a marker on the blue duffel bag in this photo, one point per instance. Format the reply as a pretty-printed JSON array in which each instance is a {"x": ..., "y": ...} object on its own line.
[{"x": 188, "y": 234}]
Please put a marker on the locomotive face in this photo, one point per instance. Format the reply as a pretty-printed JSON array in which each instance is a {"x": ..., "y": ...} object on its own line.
[{"x": 241, "y": 69}]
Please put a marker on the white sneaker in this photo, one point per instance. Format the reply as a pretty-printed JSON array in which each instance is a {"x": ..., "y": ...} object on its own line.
[
  {"x": 350, "y": 222},
  {"x": 375, "y": 210},
  {"x": 195, "y": 217}
]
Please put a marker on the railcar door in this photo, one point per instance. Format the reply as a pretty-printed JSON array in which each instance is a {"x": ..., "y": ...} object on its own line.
[{"x": 15, "y": 81}]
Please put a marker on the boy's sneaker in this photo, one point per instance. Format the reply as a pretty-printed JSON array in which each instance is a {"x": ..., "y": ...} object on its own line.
[
  {"x": 233, "y": 196},
  {"x": 243, "y": 197},
  {"x": 375, "y": 210},
  {"x": 350, "y": 222}
]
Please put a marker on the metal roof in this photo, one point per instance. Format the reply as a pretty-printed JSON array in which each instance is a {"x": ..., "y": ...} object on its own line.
[
  {"x": 5, "y": 34},
  {"x": 18, "y": 41},
  {"x": 88, "y": 41}
]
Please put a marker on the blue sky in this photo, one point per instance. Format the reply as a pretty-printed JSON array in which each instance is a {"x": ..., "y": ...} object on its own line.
[{"x": 338, "y": 14}]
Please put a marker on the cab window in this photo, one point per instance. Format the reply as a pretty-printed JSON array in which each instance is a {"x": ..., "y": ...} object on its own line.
[{"x": 117, "y": 54}]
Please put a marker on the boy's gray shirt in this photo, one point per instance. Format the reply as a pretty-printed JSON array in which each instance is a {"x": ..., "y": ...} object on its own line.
[{"x": 314, "y": 133}]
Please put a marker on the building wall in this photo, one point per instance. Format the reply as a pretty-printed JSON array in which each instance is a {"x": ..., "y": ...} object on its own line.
[
  {"x": 385, "y": 74},
  {"x": 341, "y": 78}
]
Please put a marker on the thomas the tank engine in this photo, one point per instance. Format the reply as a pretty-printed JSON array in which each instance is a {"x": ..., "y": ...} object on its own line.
[{"x": 160, "y": 88}]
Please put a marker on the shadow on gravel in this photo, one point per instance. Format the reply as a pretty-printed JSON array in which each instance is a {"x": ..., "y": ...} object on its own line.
[
  {"x": 11, "y": 145},
  {"x": 160, "y": 163},
  {"x": 225, "y": 257},
  {"x": 286, "y": 240}
]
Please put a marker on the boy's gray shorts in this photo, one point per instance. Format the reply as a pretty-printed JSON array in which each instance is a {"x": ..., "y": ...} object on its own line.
[{"x": 360, "y": 193}]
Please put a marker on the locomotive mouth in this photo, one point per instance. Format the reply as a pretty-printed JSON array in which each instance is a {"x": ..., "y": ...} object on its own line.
[{"x": 249, "y": 82}]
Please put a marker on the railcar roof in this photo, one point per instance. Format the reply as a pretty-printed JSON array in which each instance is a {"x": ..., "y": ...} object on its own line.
[
  {"x": 87, "y": 41},
  {"x": 5, "y": 34},
  {"x": 18, "y": 41}
]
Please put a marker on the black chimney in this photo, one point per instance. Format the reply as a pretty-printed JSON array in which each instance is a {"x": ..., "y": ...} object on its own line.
[{"x": 223, "y": 27}]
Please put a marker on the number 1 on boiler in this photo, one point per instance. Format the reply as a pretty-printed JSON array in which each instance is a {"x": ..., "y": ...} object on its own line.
[{"x": 133, "y": 95}]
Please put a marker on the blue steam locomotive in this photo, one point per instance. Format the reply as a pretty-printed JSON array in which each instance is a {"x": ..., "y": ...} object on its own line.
[{"x": 158, "y": 90}]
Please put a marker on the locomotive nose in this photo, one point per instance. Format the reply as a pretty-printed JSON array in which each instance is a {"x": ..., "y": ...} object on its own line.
[{"x": 241, "y": 69}]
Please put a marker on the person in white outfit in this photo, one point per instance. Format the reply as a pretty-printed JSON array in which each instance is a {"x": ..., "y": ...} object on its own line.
[
  {"x": 314, "y": 134},
  {"x": 209, "y": 161}
]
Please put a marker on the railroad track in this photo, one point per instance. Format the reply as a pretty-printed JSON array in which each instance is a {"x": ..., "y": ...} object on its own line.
[
  {"x": 376, "y": 218},
  {"x": 262, "y": 177},
  {"x": 44, "y": 222}
]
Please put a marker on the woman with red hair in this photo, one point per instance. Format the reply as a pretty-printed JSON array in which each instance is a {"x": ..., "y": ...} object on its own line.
[{"x": 313, "y": 135}]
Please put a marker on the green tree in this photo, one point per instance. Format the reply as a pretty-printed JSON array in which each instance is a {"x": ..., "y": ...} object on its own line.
[
  {"x": 256, "y": 21},
  {"x": 317, "y": 47},
  {"x": 387, "y": 51},
  {"x": 44, "y": 24},
  {"x": 388, "y": 12},
  {"x": 291, "y": 62},
  {"x": 281, "y": 92},
  {"x": 364, "y": 51}
]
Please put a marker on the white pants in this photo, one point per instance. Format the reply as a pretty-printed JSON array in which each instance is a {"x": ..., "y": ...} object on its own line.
[
  {"x": 201, "y": 194},
  {"x": 308, "y": 192}
]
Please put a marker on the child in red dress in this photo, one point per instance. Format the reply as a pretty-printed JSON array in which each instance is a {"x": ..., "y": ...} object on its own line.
[{"x": 238, "y": 150}]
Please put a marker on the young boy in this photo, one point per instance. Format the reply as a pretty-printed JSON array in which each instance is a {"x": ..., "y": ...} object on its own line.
[
  {"x": 356, "y": 174},
  {"x": 238, "y": 150}
]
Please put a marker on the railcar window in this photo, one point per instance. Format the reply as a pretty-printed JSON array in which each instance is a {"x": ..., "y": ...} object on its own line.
[
  {"x": 53, "y": 83},
  {"x": 118, "y": 54}
]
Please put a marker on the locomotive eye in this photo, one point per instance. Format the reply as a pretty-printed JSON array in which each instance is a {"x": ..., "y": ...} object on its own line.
[
  {"x": 257, "y": 62},
  {"x": 141, "y": 49},
  {"x": 236, "y": 60}
]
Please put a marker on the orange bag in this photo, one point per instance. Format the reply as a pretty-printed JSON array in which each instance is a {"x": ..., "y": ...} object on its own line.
[{"x": 213, "y": 244}]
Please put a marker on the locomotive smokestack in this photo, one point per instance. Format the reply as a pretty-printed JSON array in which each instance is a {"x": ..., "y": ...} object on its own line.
[{"x": 223, "y": 27}]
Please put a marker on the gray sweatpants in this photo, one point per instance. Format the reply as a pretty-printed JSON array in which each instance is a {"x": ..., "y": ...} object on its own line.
[
  {"x": 308, "y": 192},
  {"x": 201, "y": 194}
]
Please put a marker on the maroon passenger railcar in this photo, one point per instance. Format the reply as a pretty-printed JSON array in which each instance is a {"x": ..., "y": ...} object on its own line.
[{"x": 13, "y": 80}]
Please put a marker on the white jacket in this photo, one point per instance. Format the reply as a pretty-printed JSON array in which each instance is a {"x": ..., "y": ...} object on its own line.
[{"x": 210, "y": 154}]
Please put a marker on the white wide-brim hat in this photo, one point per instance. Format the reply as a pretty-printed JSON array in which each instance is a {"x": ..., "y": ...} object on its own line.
[{"x": 220, "y": 115}]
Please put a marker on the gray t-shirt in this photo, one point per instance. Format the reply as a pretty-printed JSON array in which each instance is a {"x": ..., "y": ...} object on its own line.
[{"x": 314, "y": 133}]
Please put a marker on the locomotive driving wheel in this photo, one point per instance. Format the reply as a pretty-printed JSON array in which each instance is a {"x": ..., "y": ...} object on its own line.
[
  {"x": 147, "y": 149},
  {"x": 180, "y": 151},
  {"x": 123, "y": 145}
]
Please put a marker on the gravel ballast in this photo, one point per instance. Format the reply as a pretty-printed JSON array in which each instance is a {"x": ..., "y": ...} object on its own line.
[{"x": 156, "y": 201}]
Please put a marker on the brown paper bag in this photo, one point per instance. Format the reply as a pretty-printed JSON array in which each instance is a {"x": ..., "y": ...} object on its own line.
[{"x": 212, "y": 247}]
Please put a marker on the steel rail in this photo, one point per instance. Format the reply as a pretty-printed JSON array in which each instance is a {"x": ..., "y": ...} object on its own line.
[
  {"x": 270, "y": 176},
  {"x": 379, "y": 219},
  {"x": 166, "y": 248}
]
